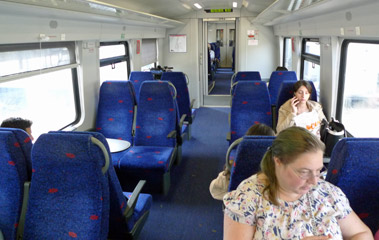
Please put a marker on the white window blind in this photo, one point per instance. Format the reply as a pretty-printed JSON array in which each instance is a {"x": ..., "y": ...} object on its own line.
[{"x": 149, "y": 51}]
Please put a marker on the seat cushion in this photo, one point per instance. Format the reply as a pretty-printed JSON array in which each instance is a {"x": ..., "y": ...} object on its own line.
[
  {"x": 142, "y": 158},
  {"x": 143, "y": 205}
]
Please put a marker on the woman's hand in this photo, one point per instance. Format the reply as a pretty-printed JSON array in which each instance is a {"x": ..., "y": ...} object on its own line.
[
  {"x": 294, "y": 102},
  {"x": 318, "y": 237}
]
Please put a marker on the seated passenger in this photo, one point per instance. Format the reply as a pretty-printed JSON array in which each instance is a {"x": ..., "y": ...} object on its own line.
[
  {"x": 260, "y": 129},
  {"x": 280, "y": 68},
  {"x": 219, "y": 186},
  {"x": 301, "y": 111},
  {"x": 17, "y": 122},
  {"x": 287, "y": 200}
]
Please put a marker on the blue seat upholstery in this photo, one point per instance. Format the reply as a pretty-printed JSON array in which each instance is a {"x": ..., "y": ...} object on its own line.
[
  {"x": 69, "y": 193},
  {"x": 12, "y": 178},
  {"x": 276, "y": 79},
  {"x": 137, "y": 78},
  {"x": 250, "y": 152},
  {"x": 26, "y": 145},
  {"x": 115, "y": 111},
  {"x": 354, "y": 167},
  {"x": 250, "y": 105},
  {"x": 244, "y": 76},
  {"x": 313, "y": 96},
  {"x": 180, "y": 81},
  {"x": 128, "y": 211},
  {"x": 155, "y": 143}
]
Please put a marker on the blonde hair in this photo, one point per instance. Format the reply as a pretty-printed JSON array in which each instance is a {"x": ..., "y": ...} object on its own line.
[{"x": 289, "y": 144}]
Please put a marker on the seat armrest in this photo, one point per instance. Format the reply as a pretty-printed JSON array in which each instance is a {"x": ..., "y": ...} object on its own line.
[
  {"x": 228, "y": 136},
  {"x": 172, "y": 134},
  {"x": 181, "y": 121},
  {"x": 192, "y": 103},
  {"x": 21, "y": 224},
  {"x": 228, "y": 164},
  {"x": 131, "y": 204}
]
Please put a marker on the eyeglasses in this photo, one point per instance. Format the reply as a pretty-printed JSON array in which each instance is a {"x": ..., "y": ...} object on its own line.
[{"x": 308, "y": 174}]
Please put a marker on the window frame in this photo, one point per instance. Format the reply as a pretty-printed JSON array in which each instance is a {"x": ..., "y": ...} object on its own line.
[
  {"x": 285, "y": 50},
  {"x": 308, "y": 56},
  {"x": 118, "y": 59},
  {"x": 73, "y": 65},
  {"x": 342, "y": 73}
]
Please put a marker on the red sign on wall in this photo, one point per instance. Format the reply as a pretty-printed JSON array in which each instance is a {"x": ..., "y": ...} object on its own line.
[{"x": 138, "y": 50}]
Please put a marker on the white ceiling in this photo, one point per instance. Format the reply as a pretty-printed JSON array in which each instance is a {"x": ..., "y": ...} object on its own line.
[
  {"x": 164, "y": 12},
  {"x": 176, "y": 8}
]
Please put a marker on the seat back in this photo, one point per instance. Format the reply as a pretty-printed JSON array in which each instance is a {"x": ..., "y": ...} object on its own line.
[
  {"x": 69, "y": 193},
  {"x": 179, "y": 80},
  {"x": 26, "y": 145},
  {"x": 250, "y": 105},
  {"x": 118, "y": 227},
  {"x": 137, "y": 78},
  {"x": 276, "y": 79},
  {"x": 248, "y": 158},
  {"x": 313, "y": 96},
  {"x": 354, "y": 167},
  {"x": 156, "y": 116},
  {"x": 246, "y": 76},
  {"x": 12, "y": 178},
  {"x": 115, "y": 112}
]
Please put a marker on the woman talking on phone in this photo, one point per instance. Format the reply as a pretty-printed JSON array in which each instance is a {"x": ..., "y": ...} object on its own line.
[{"x": 300, "y": 111}]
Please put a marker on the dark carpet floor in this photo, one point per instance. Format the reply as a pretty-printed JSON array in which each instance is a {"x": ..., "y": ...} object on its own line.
[
  {"x": 189, "y": 212},
  {"x": 222, "y": 81}
]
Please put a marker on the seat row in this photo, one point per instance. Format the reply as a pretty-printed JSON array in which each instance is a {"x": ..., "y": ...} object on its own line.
[
  {"x": 151, "y": 124},
  {"x": 252, "y": 104},
  {"x": 353, "y": 167},
  {"x": 274, "y": 83},
  {"x": 73, "y": 192}
]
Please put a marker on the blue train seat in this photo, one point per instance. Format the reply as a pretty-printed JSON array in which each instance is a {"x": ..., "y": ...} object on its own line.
[
  {"x": 276, "y": 79},
  {"x": 250, "y": 105},
  {"x": 137, "y": 78},
  {"x": 250, "y": 152},
  {"x": 69, "y": 191},
  {"x": 116, "y": 109},
  {"x": 26, "y": 145},
  {"x": 244, "y": 76},
  {"x": 128, "y": 210},
  {"x": 155, "y": 143},
  {"x": 185, "y": 105},
  {"x": 12, "y": 178},
  {"x": 354, "y": 167}
]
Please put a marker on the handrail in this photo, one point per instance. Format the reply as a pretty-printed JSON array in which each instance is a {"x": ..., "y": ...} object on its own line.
[
  {"x": 105, "y": 152},
  {"x": 233, "y": 145},
  {"x": 172, "y": 85}
]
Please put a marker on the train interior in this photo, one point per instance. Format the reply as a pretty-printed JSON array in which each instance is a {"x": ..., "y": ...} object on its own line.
[{"x": 57, "y": 58}]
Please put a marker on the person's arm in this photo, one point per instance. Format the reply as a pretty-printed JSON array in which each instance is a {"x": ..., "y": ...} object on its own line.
[
  {"x": 353, "y": 228},
  {"x": 237, "y": 231},
  {"x": 285, "y": 119}
]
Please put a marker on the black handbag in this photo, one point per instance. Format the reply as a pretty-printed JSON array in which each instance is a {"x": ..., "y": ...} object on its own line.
[{"x": 331, "y": 132}]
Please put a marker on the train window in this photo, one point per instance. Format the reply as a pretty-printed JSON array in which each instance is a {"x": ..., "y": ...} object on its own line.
[
  {"x": 287, "y": 53},
  {"x": 310, "y": 62},
  {"x": 358, "y": 96},
  {"x": 39, "y": 82},
  {"x": 114, "y": 61},
  {"x": 149, "y": 54}
]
